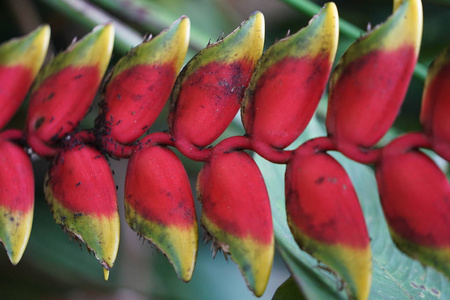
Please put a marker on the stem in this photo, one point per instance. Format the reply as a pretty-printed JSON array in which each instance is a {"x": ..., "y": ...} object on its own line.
[
  {"x": 234, "y": 143},
  {"x": 191, "y": 151},
  {"x": 276, "y": 156},
  {"x": 12, "y": 135},
  {"x": 114, "y": 148},
  {"x": 346, "y": 28},
  {"x": 90, "y": 16},
  {"x": 406, "y": 142},
  {"x": 152, "y": 17},
  {"x": 157, "y": 138}
]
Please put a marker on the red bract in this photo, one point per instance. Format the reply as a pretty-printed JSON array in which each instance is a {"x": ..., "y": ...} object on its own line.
[
  {"x": 65, "y": 89},
  {"x": 325, "y": 217},
  {"x": 81, "y": 193},
  {"x": 434, "y": 115},
  {"x": 236, "y": 213},
  {"x": 370, "y": 82},
  {"x": 289, "y": 80},
  {"x": 159, "y": 205},
  {"x": 16, "y": 198},
  {"x": 20, "y": 61},
  {"x": 140, "y": 85},
  {"x": 415, "y": 198},
  {"x": 209, "y": 90}
]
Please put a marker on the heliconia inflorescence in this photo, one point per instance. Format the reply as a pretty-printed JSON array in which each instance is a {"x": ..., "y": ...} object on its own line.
[{"x": 277, "y": 93}]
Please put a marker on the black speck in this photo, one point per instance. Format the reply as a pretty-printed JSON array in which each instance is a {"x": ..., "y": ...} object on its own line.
[
  {"x": 320, "y": 180},
  {"x": 39, "y": 122}
]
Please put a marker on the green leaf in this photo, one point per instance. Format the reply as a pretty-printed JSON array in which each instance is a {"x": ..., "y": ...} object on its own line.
[
  {"x": 288, "y": 290},
  {"x": 395, "y": 276}
]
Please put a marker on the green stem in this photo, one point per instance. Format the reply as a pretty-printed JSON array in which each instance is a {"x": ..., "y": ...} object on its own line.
[
  {"x": 90, "y": 15},
  {"x": 346, "y": 28},
  {"x": 151, "y": 17}
]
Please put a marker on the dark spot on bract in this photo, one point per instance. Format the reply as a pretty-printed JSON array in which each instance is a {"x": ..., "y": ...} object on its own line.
[
  {"x": 78, "y": 76},
  {"x": 319, "y": 180},
  {"x": 39, "y": 122}
]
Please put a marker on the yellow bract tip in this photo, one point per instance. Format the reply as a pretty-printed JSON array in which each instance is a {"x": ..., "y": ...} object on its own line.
[
  {"x": 101, "y": 50},
  {"x": 15, "y": 229},
  {"x": 253, "y": 257},
  {"x": 106, "y": 274},
  {"x": 179, "y": 244},
  {"x": 181, "y": 40},
  {"x": 29, "y": 51}
]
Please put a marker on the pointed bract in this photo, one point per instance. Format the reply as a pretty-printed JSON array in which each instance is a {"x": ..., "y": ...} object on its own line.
[
  {"x": 16, "y": 199},
  {"x": 326, "y": 219},
  {"x": 415, "y": 199},
  {"x": 289, "y": 81},
  {"x": 141, "y": 83},
  {"x": 371, "y": 80},
  {"x": 435, "y": 111},
  {"x": 65, "y": 88},
  {"x": 236, "y": 213},
  {"x": 160, "y": 207},
  {"x": 209, "y": 90},
  {"x": 20, "y": 61},
  {"x": 81, "y": 193}
]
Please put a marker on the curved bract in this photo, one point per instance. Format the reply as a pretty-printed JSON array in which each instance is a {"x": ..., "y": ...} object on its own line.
[
  {"x": 16, "y": 199},
  {"x": 326, "y": 219},
  {"x": 140, "y": 84},
  {"x": 289, "y": 80},
  {"x": 236, "y": 213},
  {"x": 20, "y": 61},
  {"x": 370, "y": 81},
  {"x": 434, "y": 114},
  {"x": 65, "y": 88},
  {"x": 81, "y": 193},
  {"x": 414, "y": 195},
  {"x": 160, "y": 207},
  {"x": 209, "y": 90}
]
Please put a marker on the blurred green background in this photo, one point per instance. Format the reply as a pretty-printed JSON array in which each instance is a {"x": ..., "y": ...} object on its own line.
[{"x": 54, "y": 267}]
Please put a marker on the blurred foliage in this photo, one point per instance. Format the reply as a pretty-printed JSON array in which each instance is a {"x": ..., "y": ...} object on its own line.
[{"x": 53, "y": 267}]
